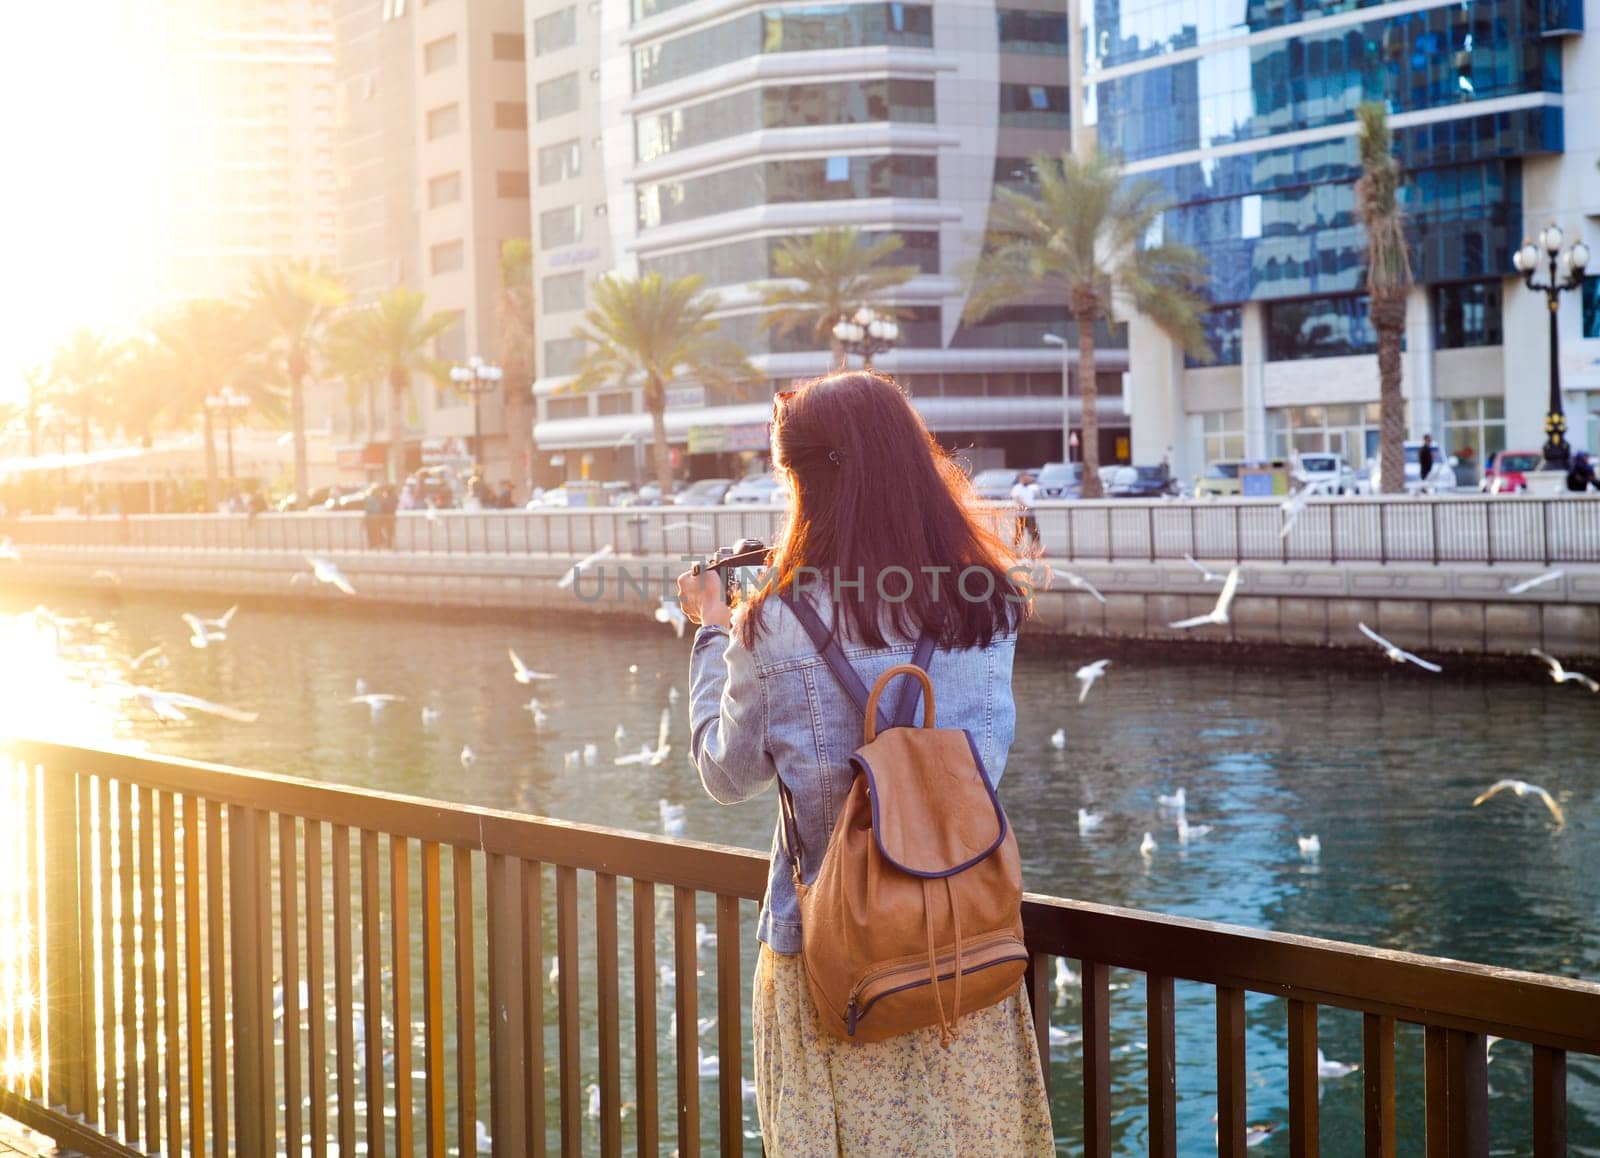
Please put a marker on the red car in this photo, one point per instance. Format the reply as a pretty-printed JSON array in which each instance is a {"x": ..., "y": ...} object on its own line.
[{"x": 1507, "y": 471}]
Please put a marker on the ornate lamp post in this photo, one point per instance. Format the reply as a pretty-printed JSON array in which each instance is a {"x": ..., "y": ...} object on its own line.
[
  {"x": 476, "y": 378},
  {"x": 1565, "y": 272},
  {"x": 866, "y": 334},
  {"x": 228, "y": 402}
]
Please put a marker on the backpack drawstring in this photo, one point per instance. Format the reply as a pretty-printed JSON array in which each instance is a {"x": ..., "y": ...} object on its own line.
[{"x": 949, "y": 1027}]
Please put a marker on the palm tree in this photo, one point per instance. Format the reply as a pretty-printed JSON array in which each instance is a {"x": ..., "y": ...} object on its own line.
[
  {"x": 80, "y": 374},
  {"x": 1082, "y": 240},
  {"x": 1388, "y": 283},
  {"x": 291, "y": 305},
  {"x": 203, "y": 347},
  {"x": 139, "y": 389},
  {"x": 827, "y": 275},
  {"x": 393, "y": 340},
  {"x": 650, "y": 332},
  {"x": 516, "y": 348}
]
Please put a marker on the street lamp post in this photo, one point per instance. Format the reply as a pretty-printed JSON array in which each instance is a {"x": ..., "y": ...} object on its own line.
[
  {"x": 228, "y": 401},
  {"x": 1066, "y": 393},
  {"x": 477, "y": 378},
  {"x": 866, "y": 334},
  {"x": 1565, "y": 272}
]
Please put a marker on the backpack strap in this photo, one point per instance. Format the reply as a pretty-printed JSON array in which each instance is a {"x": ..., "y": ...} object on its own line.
[{"x": 827, "y": 646}]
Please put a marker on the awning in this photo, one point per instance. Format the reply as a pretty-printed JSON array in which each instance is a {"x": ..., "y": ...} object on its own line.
[{"x": 960, "y": 413}]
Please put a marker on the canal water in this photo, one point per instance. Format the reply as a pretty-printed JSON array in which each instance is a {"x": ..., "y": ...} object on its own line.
[{"x": 1382, "y": 764}]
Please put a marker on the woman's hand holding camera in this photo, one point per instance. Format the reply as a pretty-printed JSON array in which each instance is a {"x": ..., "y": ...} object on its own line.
[{"x": 700, "y": 595}]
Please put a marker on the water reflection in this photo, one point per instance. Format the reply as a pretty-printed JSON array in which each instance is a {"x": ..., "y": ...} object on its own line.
[{"x": 1381, "y": 765}]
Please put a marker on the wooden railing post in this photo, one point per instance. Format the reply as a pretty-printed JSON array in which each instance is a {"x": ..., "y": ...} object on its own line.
[
  {"x": 62, "y": 948},
  {"x": 252, "y": 1018}
]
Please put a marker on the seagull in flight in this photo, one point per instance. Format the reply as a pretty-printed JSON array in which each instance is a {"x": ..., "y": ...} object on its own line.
[
  {"x": 325, "y": 571},
  {"x": 171, "y": 705},
  {"x": 524, "y": 674},
  {"x": 584, "y": 564},
  {"x": 1333, "y": 1069},
  {"x": 8, "y": 550},
  {"x": 376, "y": 701},
  {"x": 1088, "y": 673},
  {"x": 1218, "y": 615},
  {"x": 145, "y": 657},
  {"x": 1082, "y": 584},
  {"x": 1523, "y": 788},
  {"x": 1293, "y": 507},
  {"x": 221, "y": 622},
  {"x": 656, "y": 756},
  {"x": 1397, "y": 654},
  {"x": 1089, "y": 821},
  {"x": 1536, "y": 581},
  {"x": 201, "y": 635},
  {"x": 1561, "y": 675},
  {"x": 669, "y": 611},
  {"x": 1207, "y": 575}
]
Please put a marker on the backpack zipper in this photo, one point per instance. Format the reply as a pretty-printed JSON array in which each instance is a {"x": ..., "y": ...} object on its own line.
[{"x": 881, "y": 983}]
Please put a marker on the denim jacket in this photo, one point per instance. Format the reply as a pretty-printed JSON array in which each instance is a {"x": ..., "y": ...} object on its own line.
[{"x": 775, "y": 710}]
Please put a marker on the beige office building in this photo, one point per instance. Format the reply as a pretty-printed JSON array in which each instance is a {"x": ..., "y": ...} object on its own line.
[{"x": 432, "y": 147}]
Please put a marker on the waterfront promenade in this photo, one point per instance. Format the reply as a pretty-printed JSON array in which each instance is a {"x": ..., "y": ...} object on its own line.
[{"x": 1428, "y": 573}]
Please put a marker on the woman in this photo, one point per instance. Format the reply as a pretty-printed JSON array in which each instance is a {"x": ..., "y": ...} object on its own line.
[{"x": 882, "y": 543}]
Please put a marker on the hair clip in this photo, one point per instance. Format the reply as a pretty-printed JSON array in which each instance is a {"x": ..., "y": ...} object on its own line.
[{"x": 836, "y": 457}]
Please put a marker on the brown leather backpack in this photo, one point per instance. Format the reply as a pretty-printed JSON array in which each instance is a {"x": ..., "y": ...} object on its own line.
[{"x": 915, "y": 914}]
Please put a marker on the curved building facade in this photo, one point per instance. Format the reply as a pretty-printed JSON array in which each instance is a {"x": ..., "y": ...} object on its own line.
[
  {"x": 704, "y": 134},
  {"x": 1244, "y": 112}
]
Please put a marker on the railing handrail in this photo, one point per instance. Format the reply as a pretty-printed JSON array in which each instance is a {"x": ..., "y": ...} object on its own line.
[{"x": 1546, "y": 1010}]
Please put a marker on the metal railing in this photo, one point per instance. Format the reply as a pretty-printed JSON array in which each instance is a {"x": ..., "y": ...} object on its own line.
[
  {"x": 236, "y": 962},
  {"x": 1379, "y": 529}
]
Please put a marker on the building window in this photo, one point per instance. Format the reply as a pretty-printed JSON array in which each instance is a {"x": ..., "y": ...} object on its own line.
[
  {"x": 451, "y": 345},
  {"x": 754, "y": 259},
  {"x": 447, "y": 257},
  {"x": 563, "y": 292},
  {"x": 567, "y": 406},
  {"x": 1474, "y": 429},
  {"x": 614, "y": 402},
  {"x": 1467, "y": 314},
  {"x": 1224, "y": 329},
  {"x": 510, "y": 46},
  {"x": 438, "y": 54},
  {"x": 560, "y": 162},
  {"x": 1319, "y": 328},
  {"x": 559, "y": 227},
  {"x": 556, "y": 97},
  {"x": 1034, "y": 106},
  {"x": 510, "y": 115},
  {"x": 1040, "y": 33},
  {"x": 562, "y": 356},
  {"x": 444, "y": 189},
  {"x": 556, "y": 31},
  {"x": 511, "y": 184},
  {"x": 1591, "y": 307},
  {"x": 776, "y": 182},
  {"x": 443, "y": 121},
  {"x": 1349, "y": 430},
  {"x": 1222, "y": 432}
]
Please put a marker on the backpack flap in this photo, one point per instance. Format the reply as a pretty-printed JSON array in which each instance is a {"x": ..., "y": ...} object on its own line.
[{"x": 934, "y": 812}]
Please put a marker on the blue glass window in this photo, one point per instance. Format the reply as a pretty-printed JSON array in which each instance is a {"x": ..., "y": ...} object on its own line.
[
  {"x": 1036, "y": 106},
  {"x": 752, "y": 259},
  {"x": 1467, "y": 314},
  {"x": 774, "y": 182},
  {"x": 1224, "y": 329},
  {"x": 1319, "y": 328},
  {"x": 1591, "y": 307},
  {"x": 1040, "y": 33}
]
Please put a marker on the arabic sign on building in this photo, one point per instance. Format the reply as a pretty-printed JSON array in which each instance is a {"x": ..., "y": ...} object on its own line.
[{"x": 727, "y": 439}]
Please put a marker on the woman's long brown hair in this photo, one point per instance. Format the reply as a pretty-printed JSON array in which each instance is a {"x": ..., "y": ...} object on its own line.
[{"x": 877, "y": 499}]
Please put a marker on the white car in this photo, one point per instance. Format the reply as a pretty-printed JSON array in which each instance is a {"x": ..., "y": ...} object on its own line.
[
  {"x": 1329, "y": 474},
  {"x": 1441, "y": 481}
]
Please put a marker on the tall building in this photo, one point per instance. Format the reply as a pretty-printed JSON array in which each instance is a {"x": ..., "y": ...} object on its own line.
[
  {"x": 250, "y": 142},
  {"x": 433, "y": 159},
  {"x": 696, "y": 136},
  {"x": 1244, "y": 112}
]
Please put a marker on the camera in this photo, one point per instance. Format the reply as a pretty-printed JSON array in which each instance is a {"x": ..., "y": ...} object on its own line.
[{"x": 737, "y": 565}]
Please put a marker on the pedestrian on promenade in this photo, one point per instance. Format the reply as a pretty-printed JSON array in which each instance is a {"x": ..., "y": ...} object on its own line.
[
  {"x": 1425, "y": 460},
  {"x": 1025, "y": 494},
  {"x": 1580, "y": 475},
  {"x": 874, "y": 500},
  {"x": 372, "y": 518}
]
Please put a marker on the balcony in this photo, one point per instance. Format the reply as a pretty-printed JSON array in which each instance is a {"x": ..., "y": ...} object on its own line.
[{"x": 224, "y": 958}]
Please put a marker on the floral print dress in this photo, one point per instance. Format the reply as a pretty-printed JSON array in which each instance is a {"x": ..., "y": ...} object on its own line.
[{"x": 819, "y": 1095}]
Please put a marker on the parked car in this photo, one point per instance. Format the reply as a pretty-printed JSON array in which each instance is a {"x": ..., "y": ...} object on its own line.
[
  {"x": 1508, "y": 470},
  {"x": 649, "y": 494},
  {"x": 757, "y": 488},
  {"x": 1254, "y": 477},
  {"x": 1441, "y": 481},
  {"x": 708, "y": 492},
  {"x": 1141, "y": 482},
  {"x": 1330, "y": 474},
  {"x": 1060, "y": 480},
  {"x": 554, "y": 497},
  {"x": 1220, "y": 478},
  {"x": 995, "y": 484}
]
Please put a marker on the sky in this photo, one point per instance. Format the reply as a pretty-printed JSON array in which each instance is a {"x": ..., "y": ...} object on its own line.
[{"x": 83, "y": 94}]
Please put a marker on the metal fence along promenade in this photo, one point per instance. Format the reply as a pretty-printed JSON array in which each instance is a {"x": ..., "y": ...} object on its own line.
[
  {"x": 1400, "y": 529},
  {"x": 204, "y": 960}
]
